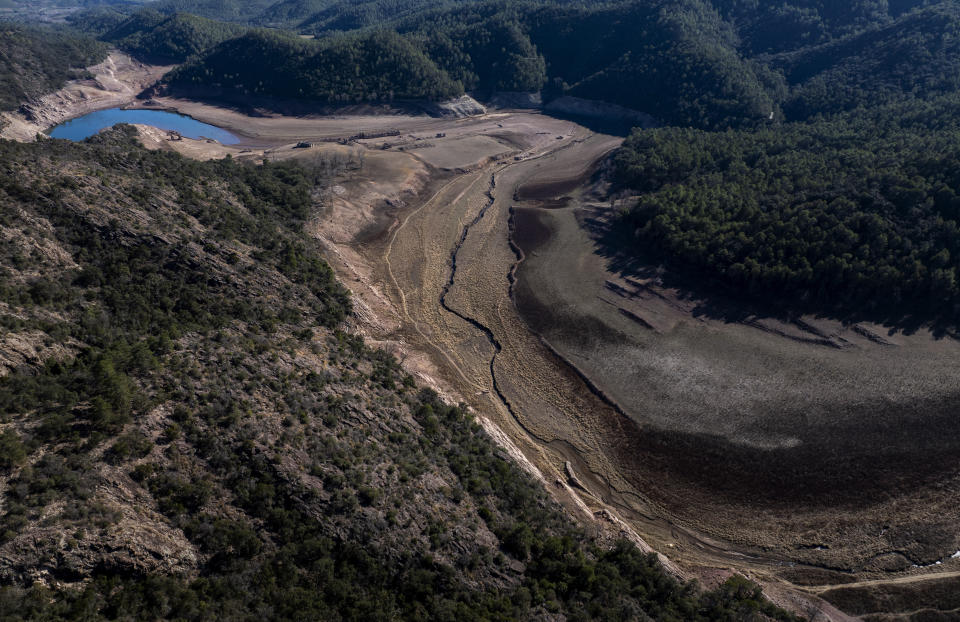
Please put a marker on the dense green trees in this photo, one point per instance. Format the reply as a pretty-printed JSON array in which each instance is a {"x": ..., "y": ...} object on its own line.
[
  {"x": 857, "y": 213},
  {"x": 702, "y": 63},
  {"x": 374, "y": 66},
  {"x": 486, "y": 56},
  {"x": 682, "y": 67},
  {"x": 161, "y": 38},
  {"x": 224, "y": 10},
  {"x": 675, "y": 60},
  {"x": 850, "y": 205},
  {"x": 678, "y": 61},
  {"x": 916, "y": 55},
  {"x": 768, "y": 27}
]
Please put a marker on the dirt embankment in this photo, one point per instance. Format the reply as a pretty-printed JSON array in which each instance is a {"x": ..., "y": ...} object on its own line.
[{"x": 116, "y": 81}]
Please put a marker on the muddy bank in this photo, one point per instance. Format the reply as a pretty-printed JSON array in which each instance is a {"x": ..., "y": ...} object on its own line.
[{"x": 809, "y": 419}]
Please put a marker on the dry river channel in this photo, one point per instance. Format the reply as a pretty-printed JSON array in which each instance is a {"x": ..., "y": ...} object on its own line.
[
  {"x": 449, "y": 266},
  {"x": 452, "y": 268}
]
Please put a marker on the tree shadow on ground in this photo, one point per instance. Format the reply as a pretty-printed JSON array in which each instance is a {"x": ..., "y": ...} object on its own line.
[{"x": 713, "y": 298}]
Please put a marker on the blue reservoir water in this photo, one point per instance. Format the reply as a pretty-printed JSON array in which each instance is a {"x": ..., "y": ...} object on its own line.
[{"x": 90, "y": 124}]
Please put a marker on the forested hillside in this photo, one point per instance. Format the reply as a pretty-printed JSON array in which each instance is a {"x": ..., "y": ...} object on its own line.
[
  {"x": 856, "y": 214},
  {"x": 159, "y": 38},
  {"x": 374, "y": 66},
  {"x": 224, "y": 10},
  {"x": 677, "y": 61},
  {"x": 848, "y": 207},
  {"x": 767, "y": 27},
  {"x": 710, "y": 64},
  {"x": 917, "y": 55},
  {"x": 290, "y": 13},
  {"x": 189, "y": 433},
  {"x": 34, "y": 61}
]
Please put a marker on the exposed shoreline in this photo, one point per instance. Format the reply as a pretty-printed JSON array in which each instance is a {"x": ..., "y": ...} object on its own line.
[{"x": 117, "y": 81}]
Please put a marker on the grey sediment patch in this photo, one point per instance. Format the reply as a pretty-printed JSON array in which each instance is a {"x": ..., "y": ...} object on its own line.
[
  {"x": 848, "y": 456},
  {"x": 541, "y": 236}
]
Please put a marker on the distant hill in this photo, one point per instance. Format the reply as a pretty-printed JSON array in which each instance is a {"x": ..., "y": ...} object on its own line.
[
  {"x": 353, "y": 14},
  {"x": 376, "y": 66},
  {"x": 767, "y": 27},
  {"x": 176, "y": 38},
  {"x": 917, "y": 55},
  {"x": 291, "y": 13},
  {"x": 225, "y": 10},
  {"x": 676, "y": 60},
  {"x": 97, "y": 20}
]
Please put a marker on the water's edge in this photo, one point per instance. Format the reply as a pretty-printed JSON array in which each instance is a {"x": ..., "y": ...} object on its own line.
[{"x": 87, "y": 125}]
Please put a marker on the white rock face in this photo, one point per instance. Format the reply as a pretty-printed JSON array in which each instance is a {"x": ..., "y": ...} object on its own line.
[{"x": 463, "y": 106}]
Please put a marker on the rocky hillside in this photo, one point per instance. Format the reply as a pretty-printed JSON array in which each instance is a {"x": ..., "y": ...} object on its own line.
[
  {"x": 188, "y": 433},
  {"x": 34, "y": 61}
]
